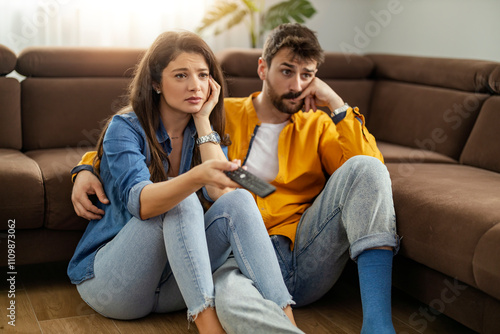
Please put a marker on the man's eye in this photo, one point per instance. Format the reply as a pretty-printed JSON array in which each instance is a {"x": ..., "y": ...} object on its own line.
[
  {"x": 286, "y": 72},
  {"x": 306, "y": 75}
]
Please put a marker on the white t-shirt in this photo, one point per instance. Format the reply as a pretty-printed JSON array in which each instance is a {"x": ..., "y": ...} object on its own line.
[{"x": 263, "y": 158}]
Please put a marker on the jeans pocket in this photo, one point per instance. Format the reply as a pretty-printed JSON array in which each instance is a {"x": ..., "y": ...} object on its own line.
[{"x": 281, "y": 246}]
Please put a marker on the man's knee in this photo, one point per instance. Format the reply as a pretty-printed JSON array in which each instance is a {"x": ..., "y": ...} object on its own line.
[
  {"x": 369, "y": 169},
  {"x": 366, "y": 163}
]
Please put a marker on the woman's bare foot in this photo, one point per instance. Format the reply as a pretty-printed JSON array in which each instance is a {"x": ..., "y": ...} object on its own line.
[
  {"x": 208, "y": 322},
  {"x": 289, "y": 314}
]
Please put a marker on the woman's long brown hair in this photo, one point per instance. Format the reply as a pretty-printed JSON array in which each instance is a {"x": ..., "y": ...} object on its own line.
[{"x": 144, "y": 101}]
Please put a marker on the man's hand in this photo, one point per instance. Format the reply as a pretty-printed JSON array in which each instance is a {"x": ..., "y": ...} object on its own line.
[
  {"x": 86, "y": 183},
  {"x": 318, "y": 93}
]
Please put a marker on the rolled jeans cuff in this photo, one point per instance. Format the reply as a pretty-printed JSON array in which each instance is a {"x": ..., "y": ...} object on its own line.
[{"x": 374, "y": 241}]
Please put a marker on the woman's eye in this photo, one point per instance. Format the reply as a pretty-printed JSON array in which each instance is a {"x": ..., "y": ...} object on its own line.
[
  {"x": 180, "y": 75},
  {"x": 204, "y": 75}
]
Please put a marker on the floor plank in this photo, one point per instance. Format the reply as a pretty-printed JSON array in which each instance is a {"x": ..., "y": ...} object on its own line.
[
  {"x": 172, "y": 323},
  {"x": 25, "y": 319},
  {"x": 94, "y": 324},
  {"x": 408, "y": 310},
  {"x": 51, "y": 293},
  {"x": 309, "y": 320}
]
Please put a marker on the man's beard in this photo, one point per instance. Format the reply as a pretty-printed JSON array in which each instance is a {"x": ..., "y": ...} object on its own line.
[{"x": 279, "y": 101}]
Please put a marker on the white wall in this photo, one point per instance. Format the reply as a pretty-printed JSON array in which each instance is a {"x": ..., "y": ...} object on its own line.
[
  {"x": 437, "y": 28},
  {"x": 440, "y": 28}
]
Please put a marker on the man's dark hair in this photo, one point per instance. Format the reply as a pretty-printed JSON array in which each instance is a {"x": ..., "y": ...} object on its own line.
[{"x": 301, "y": 41}]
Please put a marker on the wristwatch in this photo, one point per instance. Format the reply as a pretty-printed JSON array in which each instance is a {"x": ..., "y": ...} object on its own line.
[
  {"x": 340, "y": 110},
  {"x": 212, "y": 137}
]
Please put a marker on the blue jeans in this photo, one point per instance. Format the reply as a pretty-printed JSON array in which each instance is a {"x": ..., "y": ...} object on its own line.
[
  {"x": 165, "y": 263},
  {"x": 353, "y": 213},
  {"x": 241, "y": 308}
]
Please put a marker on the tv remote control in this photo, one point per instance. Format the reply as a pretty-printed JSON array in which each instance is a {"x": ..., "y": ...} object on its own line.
[{"x": 251, "y": 182}]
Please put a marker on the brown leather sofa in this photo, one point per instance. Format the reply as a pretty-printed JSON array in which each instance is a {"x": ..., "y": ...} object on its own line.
[{"x": 436, "y": 120}]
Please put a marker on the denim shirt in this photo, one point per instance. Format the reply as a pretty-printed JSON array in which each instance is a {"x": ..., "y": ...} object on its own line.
[{"x": 124, "y": 173}]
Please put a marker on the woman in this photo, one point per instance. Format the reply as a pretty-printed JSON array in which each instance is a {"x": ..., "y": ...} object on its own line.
[{"x": 155, "y": 249}]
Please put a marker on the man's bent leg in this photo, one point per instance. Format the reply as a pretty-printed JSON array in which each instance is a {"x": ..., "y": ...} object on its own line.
[
  {"x": 354, "y": 212},
  {"x": 242, "y": 309}
]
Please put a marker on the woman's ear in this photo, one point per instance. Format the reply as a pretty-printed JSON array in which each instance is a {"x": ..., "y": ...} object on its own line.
[{"x": 156, "y": 88}]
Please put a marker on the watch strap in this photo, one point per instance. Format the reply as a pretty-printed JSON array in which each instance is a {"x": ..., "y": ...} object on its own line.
[
  {"x": 212, "y": 137},
  {"x": 339, "y": 114},
  {"x": 340, "y": 110}
]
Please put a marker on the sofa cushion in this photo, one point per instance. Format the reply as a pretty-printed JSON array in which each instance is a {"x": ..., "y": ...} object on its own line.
[
  {"x": 60, "y": 112},
  {"x": 443, "y": 211},
  {"x": 236, "y": 62},
  {"x": 7, "y": 60},
  {"x": 77, "y": 62},
  {"x": 430, "y": 118},
  {"x": 486, "y": 261},
  {"x": 10, "y": 113},
  {"x": 460, "y": 74},
  {"x": 408, "y": 155},
  {"x": 483, "y": 146},
  {"x": 494, "y": 80},
  {"x": 22, "y": 196},
  {"x": 56, "y": 165}
]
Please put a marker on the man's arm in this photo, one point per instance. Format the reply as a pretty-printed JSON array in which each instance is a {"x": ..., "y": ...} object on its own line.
[
  {"x": 85, "y": 184},
  {"x": 354, "y": 138}
]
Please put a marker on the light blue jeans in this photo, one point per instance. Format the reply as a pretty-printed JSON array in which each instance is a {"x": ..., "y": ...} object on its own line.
[
  {"x": 165, "y": 263},
  {"x": 353, "y": 213}
]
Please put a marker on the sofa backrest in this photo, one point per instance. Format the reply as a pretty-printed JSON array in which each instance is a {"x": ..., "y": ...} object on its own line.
[
  {"x": 348, "y": 76},
  {"x": 483, "y": 146},
  {"x": 68, "y": 93},
  {"x": 428, "y": 103},
  {"x": 10, "y": 102}
]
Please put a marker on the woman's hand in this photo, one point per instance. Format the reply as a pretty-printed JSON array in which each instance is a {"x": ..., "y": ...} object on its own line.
[
  {"x": 212, "y": 99},
  {"x": 211, "y": 173},
  {"x": 158, "y": 198}
]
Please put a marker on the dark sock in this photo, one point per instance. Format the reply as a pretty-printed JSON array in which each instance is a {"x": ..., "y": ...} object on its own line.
[{"x": 375, "y": 274}]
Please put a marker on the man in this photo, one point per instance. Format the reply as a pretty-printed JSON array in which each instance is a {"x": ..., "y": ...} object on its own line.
[{"x": 333, "y": 199}]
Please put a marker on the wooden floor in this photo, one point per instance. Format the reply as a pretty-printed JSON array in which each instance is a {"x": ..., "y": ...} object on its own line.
[{"x": 45, "y": 302}]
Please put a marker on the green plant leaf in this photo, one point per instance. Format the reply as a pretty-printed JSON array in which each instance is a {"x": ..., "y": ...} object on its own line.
[
  {"x": 285, "y": 12},
  {"x": 221, "y": 10},
  {"x": 231, "y": 21},
  {"x": 251, "y": 6}
]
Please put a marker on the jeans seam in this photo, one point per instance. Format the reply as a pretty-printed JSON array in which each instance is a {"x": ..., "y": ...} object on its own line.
[
  {"x": 322, "y": 227},
  {"x": 191, "y": 262},
  {"x": 279, "y": 252},
  {"x": 242, "y": 255}
]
